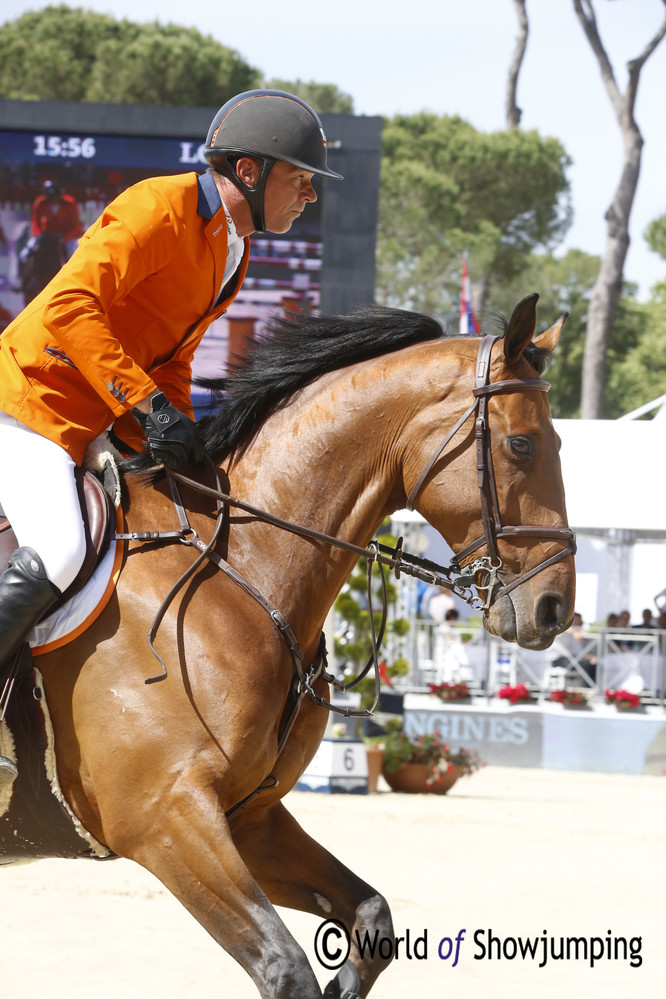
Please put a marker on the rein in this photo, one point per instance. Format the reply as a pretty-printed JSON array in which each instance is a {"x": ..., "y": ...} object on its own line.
[{"x": 375, "y": 553}]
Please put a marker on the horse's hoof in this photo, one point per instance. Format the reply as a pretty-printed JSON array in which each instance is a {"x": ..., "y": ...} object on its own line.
[
  {"x": 345, "y": 984},
  {"x": 8, "y": 771}
]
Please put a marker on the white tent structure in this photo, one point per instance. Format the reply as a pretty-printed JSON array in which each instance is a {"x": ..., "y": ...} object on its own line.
[
  {"x": 614, "y": 475},
  {"x": 615, "y": 480}
]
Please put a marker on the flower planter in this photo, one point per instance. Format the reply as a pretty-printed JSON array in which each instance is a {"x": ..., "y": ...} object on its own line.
[
  {"x": 624, "y": 700},
  {"x": 451, "y": 693},
  {"x": 412, "y": 778},
  {"x": 568, "y": 699},
  {"x": 375, "y": 762},
  {"x": 516, "y": 697}
]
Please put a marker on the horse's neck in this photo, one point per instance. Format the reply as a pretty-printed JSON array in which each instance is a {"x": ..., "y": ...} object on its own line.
[{"x": 323, "y": 462}]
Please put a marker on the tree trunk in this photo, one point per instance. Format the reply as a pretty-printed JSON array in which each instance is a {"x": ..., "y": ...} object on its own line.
[
  {"x": 513, "y": 112},
  {"x": 607, "y": 288}
]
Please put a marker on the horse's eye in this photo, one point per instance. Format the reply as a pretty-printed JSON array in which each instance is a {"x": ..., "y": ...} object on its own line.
[{"x": 520, "y": 446}]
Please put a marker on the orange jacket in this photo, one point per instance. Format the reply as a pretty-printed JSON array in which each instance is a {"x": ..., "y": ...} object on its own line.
[{"x": 123, "y": 316}]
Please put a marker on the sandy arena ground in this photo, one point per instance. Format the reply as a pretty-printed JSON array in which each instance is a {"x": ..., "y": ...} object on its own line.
[{"x": 516, "y": 852}]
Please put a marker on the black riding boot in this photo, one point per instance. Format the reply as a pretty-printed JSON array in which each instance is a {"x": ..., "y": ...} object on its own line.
[{"x": 26, "y": 593}]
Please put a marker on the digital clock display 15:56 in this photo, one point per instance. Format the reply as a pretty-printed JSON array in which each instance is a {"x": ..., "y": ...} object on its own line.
[{"x": 70, "y": 147}]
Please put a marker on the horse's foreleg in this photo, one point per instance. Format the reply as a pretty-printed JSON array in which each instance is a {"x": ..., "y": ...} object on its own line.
[
  {"x": 191, "y": 851},
  {"x": 297, "y": 872}
]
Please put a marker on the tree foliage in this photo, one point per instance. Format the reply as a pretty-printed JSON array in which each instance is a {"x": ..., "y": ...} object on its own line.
[
  {"x": 325, "y": 98},
  {"x": 69, "y": 54},
  {"x": 655, "y": 236},
  {"x": 637, "y": 374},
  {"x": 564, "y": 284},
  {"x": 353, "y": 645},
  {"x": 446, "y": 186}
]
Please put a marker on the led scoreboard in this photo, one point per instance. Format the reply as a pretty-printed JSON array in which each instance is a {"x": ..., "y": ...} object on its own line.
[{"x": 92, "y": 152}]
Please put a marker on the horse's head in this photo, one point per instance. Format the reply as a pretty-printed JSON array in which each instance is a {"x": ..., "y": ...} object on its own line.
[{"x": 493, "y": 487}]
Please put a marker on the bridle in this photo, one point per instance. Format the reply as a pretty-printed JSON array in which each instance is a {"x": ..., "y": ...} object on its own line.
[{"x": 487, "y": 569}]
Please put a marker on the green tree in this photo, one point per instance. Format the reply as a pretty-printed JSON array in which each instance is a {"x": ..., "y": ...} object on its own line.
[
  {"x": 325, "y": 98},
  {"x": 565, "y": 284},
  {"x": 655, "y": 235},
  {"x": 353, "y": 646},
  {"x": 638, "y": 374},
  {"x": 446, "y": 186},
  {"x": 69, "y": 54}
]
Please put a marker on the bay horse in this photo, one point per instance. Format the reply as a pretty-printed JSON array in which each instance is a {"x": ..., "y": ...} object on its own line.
[
  {"x": 39, "y": 262},
  {"x": 334, "y": 423}
]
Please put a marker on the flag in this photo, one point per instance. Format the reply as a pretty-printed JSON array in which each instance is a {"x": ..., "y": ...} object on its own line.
[{"x": 468, "y": 324}]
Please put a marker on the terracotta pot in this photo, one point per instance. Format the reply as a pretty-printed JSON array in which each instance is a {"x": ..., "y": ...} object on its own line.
[
  {"x": 412, "y": 778},
  {"x": 375, "y": 762}
]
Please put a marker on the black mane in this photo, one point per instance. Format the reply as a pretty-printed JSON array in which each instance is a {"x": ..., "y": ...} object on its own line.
[{"x": 294, "y": 350}]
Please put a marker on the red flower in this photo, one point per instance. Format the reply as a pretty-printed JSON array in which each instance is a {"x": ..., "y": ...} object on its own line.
[
  {"x": 515, "y": 694},
  {"x": 622, "y": 697},
  {"x": 384, "y": 674},
  {"x": 449, "y": 691},
  {"x": 567, "y": 697}
]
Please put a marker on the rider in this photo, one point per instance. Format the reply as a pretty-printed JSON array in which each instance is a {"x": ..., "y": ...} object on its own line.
[
  {"x": 55, "y": 214},
  {"x": 117, "y": 328}
]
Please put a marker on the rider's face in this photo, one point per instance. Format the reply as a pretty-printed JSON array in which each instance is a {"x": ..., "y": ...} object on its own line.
[{"x": 288, "y": 190}]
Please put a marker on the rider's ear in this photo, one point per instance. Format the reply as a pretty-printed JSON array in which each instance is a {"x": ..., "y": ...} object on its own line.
[
  {"x": 522, "y": 326},
  {"x": 248, "y": 169},
  {"x": 550, "y": 338}
]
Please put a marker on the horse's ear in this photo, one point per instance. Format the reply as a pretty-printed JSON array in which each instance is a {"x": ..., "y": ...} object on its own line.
[
  {"x": 520, "y": 331},
  {"x": 550, "y": 338}
]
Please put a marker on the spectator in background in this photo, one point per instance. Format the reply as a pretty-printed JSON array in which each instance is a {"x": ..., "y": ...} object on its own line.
[
  {"x": 440, "y": 604},
  {"x": 569, "y": 648},
  {"x": 623, "y": 623},
  {"x": 647, "y": 620}
]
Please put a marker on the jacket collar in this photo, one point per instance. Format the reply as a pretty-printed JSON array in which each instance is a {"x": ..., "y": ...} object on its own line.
[{"x": 210, "y": 201}]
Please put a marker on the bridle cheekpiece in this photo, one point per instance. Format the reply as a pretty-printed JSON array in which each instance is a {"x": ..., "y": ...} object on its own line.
[{"x": 486, "y": 570}]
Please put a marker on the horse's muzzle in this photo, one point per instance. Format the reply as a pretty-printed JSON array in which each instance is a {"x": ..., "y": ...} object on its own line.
[{"x": 533, "y": 625}]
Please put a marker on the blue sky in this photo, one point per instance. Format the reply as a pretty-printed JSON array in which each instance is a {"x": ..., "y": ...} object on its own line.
[{"x": 452, "y": 58}]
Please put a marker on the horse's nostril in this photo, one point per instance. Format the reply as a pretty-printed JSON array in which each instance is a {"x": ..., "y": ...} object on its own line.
[{"x": 551, "y": 615}]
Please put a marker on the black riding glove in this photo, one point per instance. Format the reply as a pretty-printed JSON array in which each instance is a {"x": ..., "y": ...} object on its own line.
[{"x": 172, "y": 436}]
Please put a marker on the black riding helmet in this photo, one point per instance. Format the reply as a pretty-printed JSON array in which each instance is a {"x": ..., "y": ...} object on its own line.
[{"x": 268, "y": 125}]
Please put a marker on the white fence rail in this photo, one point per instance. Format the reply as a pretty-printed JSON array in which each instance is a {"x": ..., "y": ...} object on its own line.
[{"x": 632, "y": 660}]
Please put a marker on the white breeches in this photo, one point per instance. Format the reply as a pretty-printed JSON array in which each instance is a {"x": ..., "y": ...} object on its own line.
[{"x": 38, "y": 494}]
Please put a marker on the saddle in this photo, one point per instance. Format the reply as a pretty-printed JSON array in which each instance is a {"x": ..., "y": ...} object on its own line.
[
  {"x": 35, "y": 820},
  {"x": 99, "y": 520}
]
